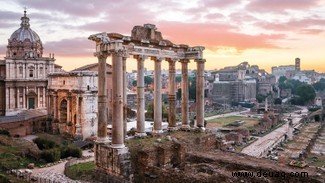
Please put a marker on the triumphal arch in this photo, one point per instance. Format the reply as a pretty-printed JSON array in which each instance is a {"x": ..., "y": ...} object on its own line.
[{"x": 144, "y": 43}]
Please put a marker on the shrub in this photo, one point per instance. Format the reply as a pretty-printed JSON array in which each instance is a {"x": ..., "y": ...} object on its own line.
[
  {"x": 4, "y": 179},
  {"x": 51, "y": 155},
  {"x": 5, "y": 132},
  {"x": 71, "y": 151},
  {"x": 44, "y": 143}
]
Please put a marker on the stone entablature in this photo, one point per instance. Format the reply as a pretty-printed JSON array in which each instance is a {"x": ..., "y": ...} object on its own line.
[{"x": 77, "y": 80}]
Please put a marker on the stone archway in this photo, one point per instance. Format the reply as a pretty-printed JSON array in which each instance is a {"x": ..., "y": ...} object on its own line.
[{"x": 63, "y": 115}]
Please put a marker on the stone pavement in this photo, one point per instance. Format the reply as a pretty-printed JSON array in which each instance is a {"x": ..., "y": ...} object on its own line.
[
  {"x": 263, "y": 144},
  {"x": 52, "y": 177}
]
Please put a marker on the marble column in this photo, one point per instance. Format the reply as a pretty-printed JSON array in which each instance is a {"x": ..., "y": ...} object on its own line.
[
  {"x": 157, "y": 128},
  {"x": 117, "y": 80},
  {"x": 17, "y": 98},
  {"x": 102, "y": 99},
  {"x": 44, "y": 97},
  {"x": 78, "y": 132},
  {"x": 38, "y": 97},
  {"x": 185, "y": 122},
  {"x": 24, "y": 98},
  {"x": 140, "y": 96},
  {"x": 56, "y": 106},
  {"x": 172, "y": 95},
  {"x": 124, "y": 97},
  {"x": 7, "y": 98},
  {"x": 200, "y": 93}
]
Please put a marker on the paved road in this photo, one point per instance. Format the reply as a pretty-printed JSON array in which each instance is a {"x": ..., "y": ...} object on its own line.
[{"x": 263, "y": 144}]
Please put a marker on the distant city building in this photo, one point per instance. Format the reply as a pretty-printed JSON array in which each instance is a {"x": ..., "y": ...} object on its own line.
[
  {"x": 297, "y": 64},
  {"x": 282, "y": 70},
  {"x": 234, "y": 84},
  {"x": 301, "y": 76}
]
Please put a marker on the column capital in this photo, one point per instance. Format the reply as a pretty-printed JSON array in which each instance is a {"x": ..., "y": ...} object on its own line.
[
  {"x": 157, "y": 59},
  {"x": 140, "y": 57},
  {"x": 101, "y": 55},
  {"x": 200, "y": 60},
  {"x": 172, "y": 59},
  {"x": 184, "y": 60}
]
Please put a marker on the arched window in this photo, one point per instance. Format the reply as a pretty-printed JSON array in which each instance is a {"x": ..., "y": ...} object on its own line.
[{"x": 31, "y": 73}]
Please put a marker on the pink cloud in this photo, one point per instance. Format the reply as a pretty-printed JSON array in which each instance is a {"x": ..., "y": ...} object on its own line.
[
  {"x": 311, "y": 31},
  {"x": 280, "y": 5},
  {"x": 71, "y": 47},
  {"x": 240, "y": 17},
  {"x": 220, "y": 3},
  {"x": 214, "y": 16},
  {"x": 293, "y": 25},
  {"x": 215, "y": 35}
]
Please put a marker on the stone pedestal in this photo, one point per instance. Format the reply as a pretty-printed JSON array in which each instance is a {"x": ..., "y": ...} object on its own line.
[{"x": 113, "y": 164}]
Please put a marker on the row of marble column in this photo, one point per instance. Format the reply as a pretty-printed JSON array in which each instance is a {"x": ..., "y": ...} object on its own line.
[
  {"x": 14, "y": 97},
  {"x": 119, "y": 96},
  {"x": 22, "y": 71}
]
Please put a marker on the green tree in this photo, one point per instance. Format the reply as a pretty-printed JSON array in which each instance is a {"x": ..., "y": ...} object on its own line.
[
  {"x": 179, "y": 94},
  {"x": 147, "y": 81},
  {"x": 151, "y": 110},
  {"x": 282, "y": 79},
  {"x": 178, "y": 79},
  {"x": 134, "y": 83},
  {"x": 260, "y": 98},
  {"x": 320, "y": 85},
  {"x": 192, "y": 88},
  {"x": 306, "y": 93},
  {"x": 278, "y": 101}
]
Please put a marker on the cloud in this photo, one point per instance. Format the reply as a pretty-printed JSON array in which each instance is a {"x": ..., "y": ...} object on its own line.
[
  {"x": 80, "y": 46},
  {"x": 311, "y": 31},
  {"x": 220, "y": 3},
  {"x": 293, "y": 25},
  {"x": 280, "y": 5},
  {"x": 240, "y": 17},
  {"x": 215, "y": 35}
]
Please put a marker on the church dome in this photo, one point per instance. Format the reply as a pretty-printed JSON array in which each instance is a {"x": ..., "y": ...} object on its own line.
[
  {"x": 24, "y": 42},
  {"x": 24, "y": 33}
]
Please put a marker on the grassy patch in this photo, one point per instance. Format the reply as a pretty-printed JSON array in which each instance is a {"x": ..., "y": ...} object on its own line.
[
  {"x": 318, "y": 161},
  {"x": 82, "y": 171},
  {"x": 225, "y": 121},
  {"x": 13, "y": 157}
]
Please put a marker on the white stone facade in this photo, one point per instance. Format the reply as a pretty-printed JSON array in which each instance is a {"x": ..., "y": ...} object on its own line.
[
  {"x": 25, "y": 71},
  {"x": 282, "y": 70}
]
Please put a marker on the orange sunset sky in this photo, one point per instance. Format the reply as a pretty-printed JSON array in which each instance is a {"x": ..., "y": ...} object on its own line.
[{"x": 263, "y": 32}]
